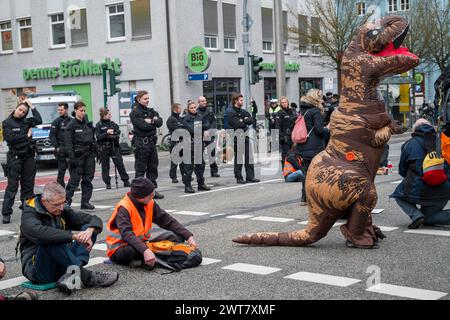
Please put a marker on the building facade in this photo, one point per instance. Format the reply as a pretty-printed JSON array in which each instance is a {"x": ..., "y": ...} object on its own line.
[{"x": 61, "y": 45}]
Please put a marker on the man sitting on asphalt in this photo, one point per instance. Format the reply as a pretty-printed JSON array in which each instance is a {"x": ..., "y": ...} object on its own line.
[
  {"x": 131, "y": 223},
  {"x": 52, "y": 249}
]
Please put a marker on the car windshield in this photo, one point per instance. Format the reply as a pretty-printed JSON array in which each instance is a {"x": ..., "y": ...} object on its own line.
[{"x": 49, "y": 111}]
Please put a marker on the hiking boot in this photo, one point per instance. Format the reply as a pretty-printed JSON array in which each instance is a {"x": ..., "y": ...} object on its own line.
[
  {"x": 26, "y": 295},
  {"x": 101, "y": 279},
  {"x": 108, "y": 186},
  {"x": 126, "y": 184},
  {"x": 203, "y": 187},
  {"x": 416, "y": 223},
  {"x": 188, "y": 189},
  {"x": 7, "y": 219},
  {"x": 69, "y": 281},
  {"x": 174, "y": 180},
  {"x": 158, "y": 195},
  {"x": 87, "y": 206},
  {"x": 241, "y": 181}
]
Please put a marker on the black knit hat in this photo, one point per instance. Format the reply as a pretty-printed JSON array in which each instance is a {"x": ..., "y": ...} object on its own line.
[{"x": 141, "y": 187}]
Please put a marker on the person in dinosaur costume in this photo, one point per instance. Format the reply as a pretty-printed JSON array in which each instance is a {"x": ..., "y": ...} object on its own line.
[{"x": 340, "y": 181}]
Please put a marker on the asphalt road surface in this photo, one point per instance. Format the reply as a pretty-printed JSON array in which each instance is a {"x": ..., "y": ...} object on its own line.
[{"x": 408, "y": 265}]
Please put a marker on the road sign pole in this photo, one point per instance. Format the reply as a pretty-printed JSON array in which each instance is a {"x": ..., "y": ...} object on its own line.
[{"x": 105, "y": 85}]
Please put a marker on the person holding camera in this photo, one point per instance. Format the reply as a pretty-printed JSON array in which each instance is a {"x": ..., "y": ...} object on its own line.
[
  {"x": 108, "y": 133},
  {"x": 21, "y": 162},
  {"x": 81, "y": 148},
  {"x": 285, "y": 122}
]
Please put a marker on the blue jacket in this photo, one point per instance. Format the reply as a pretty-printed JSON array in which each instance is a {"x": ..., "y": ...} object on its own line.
[{"x": 413, "y": 189}]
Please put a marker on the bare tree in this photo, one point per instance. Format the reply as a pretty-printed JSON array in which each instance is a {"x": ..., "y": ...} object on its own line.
[{"x": 339, "y": 21}]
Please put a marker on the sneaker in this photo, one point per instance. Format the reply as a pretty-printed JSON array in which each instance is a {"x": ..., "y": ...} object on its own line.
[
  {"x": 126, "y": 184},
  {"x": 241, "y": 181},
  {"x": 87, "y": 206},
  {"x": 7, "y": 219},
  {"x": 203, "y": 187},
  {"x": 189, "y": 189},
  {"x": 416, "y": 223},
  {"x": 174, "y": 180},
  {"x": 69, "y": 281},
  {"x": 158, "y": 195},
  {"x": 102, "y": 279},
  {"x": 108, "y": 186}
]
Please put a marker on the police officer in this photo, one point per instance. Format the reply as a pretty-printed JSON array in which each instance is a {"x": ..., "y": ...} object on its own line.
[
  {"x": 108, "y": 134},
  {"x": 241, "y": 119},
  {"x": 21, "y": 164},
  {"x": 194, "y": 122},
  {"x": 57, "y": 136},
  {"x": 174, "y": 122},
  {"x": 145, "y": 121},
  {"x": 285, "y": 122},
  {"x": 211, "y": 119},
  {"x": 81, "y": 149}
]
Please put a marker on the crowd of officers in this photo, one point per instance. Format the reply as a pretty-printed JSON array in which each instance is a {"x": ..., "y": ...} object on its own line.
[{"x": 78, "y": 144}]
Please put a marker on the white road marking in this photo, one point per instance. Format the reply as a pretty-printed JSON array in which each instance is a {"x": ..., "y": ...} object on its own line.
[
  {"x": 6, "y": 233},
  {"x": 170, "y": 211},
  {"x": 99, "y": 246},
  {"x": 377, "y": 211},
  {"x": 230, "y": 188},
  {"x": 251, "y": 268},
  {"x": 75, "y": 204},
  {"x": 323, "y": 279},
  {"x": 272, "y": 219},
  {"x": 207, "y": 261},
  {"x": 95, "y": 261},
  {"x": 406, "y": 292},
  {"x": 240, "y": 216},
  {"x": 387, "y": 229},
  {"x": 397, "y": 182},
  {"x": 336, "y": 224},
  {"x": 10, "y": 283},
  {"x": 99, "y": 189},
  {"x": 430, "y": 232},
  {"x": 218, "y": 215},
  {"x": 191, "y": 213}
]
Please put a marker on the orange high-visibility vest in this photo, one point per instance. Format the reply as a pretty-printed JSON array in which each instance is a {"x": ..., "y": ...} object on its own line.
[
  {"x": 114, "y": 240},
  {"x": 445, "y": 145},
  {"x": 288, "y": 168}
]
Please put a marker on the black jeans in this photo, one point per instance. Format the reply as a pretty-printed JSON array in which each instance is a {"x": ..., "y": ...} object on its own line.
[
  {"x": 189, "y": 168},
  {"x": 249, "y": 168},
  {"x": 21, "y": 169},
  {"x": 62, "y": 167},
  {"x": 126, "y": 254},
  {"x": 83, "y": 171},
  {"x": 146, "y": 160},
  {"x": 114, "y": 154}
]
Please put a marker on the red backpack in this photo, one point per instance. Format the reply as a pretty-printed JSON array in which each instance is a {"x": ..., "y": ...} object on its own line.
[{"x": 300, "y": 133}]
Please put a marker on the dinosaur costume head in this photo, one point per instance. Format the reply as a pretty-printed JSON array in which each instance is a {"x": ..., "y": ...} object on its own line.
[{"x": 340, "y": 179}]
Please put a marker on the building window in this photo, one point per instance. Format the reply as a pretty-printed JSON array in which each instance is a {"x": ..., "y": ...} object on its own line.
[
  {"x": 267, "y": 46},
  {"x": 141, "y": 25},
  {"x": 404, "y": 5},
  {"x": 116, "y": 22},
  {"x": 211, "y": 42},
  {"x": 6, "y": 45},
  {"x": 361, "y": 8},
  {"x": 315, "y": 50},
  {"x": 57, "y": 32},
  {"x": 315, "y": 30},
  {"x": 285, "y": 48},
  {"x": 229, "y": 44},
  {"x": 306, "y": 84},
  {"x": 210, "y": 21},
  {"x": 25, "y": 35},
  {"x": 392, "y": 6},
  {"x": 302, "y": 34},
  {"x": 78, "y": 27},
  {"x": 303, "y": 50}
]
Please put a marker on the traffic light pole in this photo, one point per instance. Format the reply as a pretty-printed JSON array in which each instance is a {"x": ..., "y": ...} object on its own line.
[
  {"x": 105, "y": 86},
  {"x": 245, "y": 40}
]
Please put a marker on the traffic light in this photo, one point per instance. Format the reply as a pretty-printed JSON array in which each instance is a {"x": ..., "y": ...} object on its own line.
[
  {"x": 255, "y": 69},
  {"x": 113, "y": 82}
]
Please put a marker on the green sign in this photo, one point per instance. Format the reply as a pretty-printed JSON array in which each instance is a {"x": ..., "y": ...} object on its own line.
[
  {"x": 288, "y": 66},
  {"x": 419, "y": 78},
  {"x": 198, "y": 59},
  {"x": 72, "y": 69}
]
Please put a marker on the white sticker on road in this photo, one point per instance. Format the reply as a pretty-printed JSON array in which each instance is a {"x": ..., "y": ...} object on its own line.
[
  {"x": 251, "y": 268},
  {"x": 323, "y": 279},
  {"x": 406, "y": 292},
  {"x": 272, "y": 219},
  {"x": 430, "y": 232}
]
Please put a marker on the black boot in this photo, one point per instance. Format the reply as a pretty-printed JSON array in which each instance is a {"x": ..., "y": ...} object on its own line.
[
  {"x": 108, "y": 186},
  {"x": 126, "y": 184},
  {"x": 203, "y": 187},
  {"x": 188, "y": 189},
  {"x": 87, "y": 206},
  {"x": 7, "y": 219},
  {"x": 158, "y": 195}
]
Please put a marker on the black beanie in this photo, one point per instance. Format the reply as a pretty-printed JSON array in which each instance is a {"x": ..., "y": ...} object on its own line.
[{"x": 141, "y": 187}]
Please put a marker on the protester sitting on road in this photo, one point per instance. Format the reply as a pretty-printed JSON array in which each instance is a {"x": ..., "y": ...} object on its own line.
[
  {"x": 292, "y": 169},
  {"x": 413, "y": 190},
  {"x": 52, "y": 249},
  {"x": 131, "y": 223}
]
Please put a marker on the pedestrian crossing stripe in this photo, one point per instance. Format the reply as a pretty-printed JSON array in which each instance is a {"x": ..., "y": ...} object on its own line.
[
  {"x": 6, "y": 233},
  {"x": 208, "y": 261},
  {"x": 101, "y": 207},
  {"x": 99, "y": 246},
  {"x": 406, "y": 292},
  {"x": 323, "y": 279},
  {"x": 251, "y": 268},
  {"x": 191, "y": 213},
  {"x": 240, "y": 216},
  {"x": 430, "y": 232},
  {"x": 272, "y": 219}
]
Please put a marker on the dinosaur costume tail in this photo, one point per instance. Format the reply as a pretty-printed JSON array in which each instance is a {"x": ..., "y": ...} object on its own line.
[{"x": 294, "y": 238}]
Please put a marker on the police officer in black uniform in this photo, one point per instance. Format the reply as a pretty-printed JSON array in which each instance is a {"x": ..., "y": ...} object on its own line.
[
  {"x": 21, "y": 164},
  {"x": 145, "y": 121},
  {"x": 285, "y": 122},
  {"x": 108, "y": 134},
  {"x": 194, "y": 122},
  {"x": 239, "y": 118},
  {"x": 57, "y": 136},
  {"x": 211, "y": 119},
  {"x": 81, "y": 149},
  {"x": 174, "y": 122}
]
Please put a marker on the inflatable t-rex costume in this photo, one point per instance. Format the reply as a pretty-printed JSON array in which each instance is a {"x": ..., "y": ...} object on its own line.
[{"x": 340, "y": 180}]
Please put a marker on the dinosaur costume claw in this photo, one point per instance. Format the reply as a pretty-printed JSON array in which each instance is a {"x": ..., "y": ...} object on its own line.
[{"x": 340, "y": 180}]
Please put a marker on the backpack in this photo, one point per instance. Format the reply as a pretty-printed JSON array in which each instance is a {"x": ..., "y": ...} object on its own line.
[
  {"x": 300, "y": 132},
  {"x": 175, "y": 256},
  {"x": 433, "y": 167}
]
